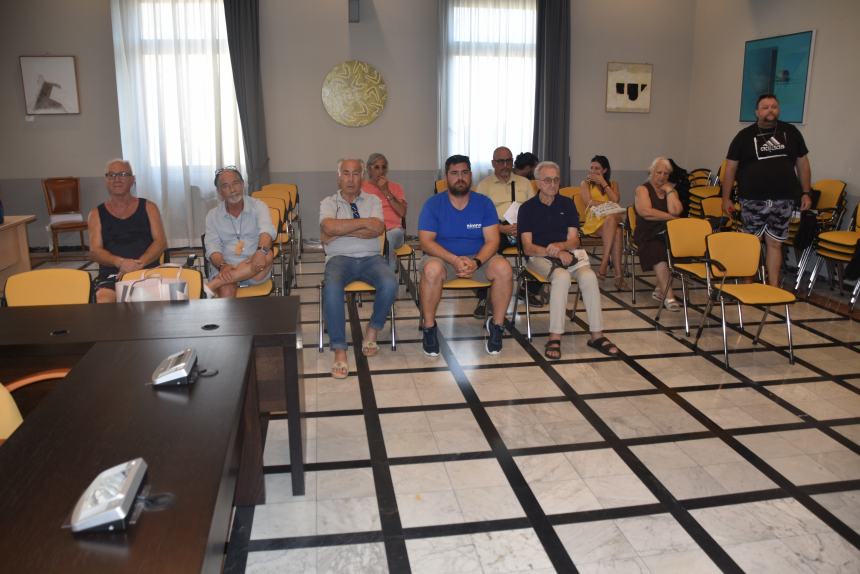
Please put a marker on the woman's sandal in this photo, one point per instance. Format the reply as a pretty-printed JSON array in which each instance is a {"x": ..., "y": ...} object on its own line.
[
  {"x": 672, "y": 305},
  {"x": 601, "y": 276},
  {"x": 339, "y": 370},
  {"x": 621, "y": 284},
  {"x": 369, "y": 348},
  {"x": 603, "y": 345},
  {"x": 552, "y": 349}
]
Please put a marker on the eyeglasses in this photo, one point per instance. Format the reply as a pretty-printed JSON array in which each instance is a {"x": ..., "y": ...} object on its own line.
[
  {"x": 509, "y": 160},
  {"x": 551, "y": 180},
  {"x": 116, "y": 174}
]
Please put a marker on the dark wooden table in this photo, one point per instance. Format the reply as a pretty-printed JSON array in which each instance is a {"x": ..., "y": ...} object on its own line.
[
  {"x": 72, "y": 329},
  {"x": 103, "y": 414}
]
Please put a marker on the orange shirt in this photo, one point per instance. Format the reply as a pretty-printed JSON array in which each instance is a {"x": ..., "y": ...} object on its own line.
[{"x": 392, "y": 220}]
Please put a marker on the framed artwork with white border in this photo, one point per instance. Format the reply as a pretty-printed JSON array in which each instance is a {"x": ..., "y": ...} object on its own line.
[
  {"x": 628, "y": 87},
  {"x": 50, "y": 84}
]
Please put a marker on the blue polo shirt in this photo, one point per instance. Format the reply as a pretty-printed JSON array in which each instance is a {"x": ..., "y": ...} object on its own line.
[
  {"x": 460, "y": 231},
  {"x": 547, "y": 223}
]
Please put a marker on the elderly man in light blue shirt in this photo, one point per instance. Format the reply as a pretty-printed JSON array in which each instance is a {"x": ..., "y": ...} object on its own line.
[
  {"x": 351, "y": 224},
  {"x": 239, "y": 236}
]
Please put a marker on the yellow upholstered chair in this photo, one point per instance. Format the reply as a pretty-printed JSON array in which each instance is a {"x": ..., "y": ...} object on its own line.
[
  {"x": 698, "y": 195},
  {"x": 357, "y": 288},
  {"x": 631, "y": 250},
  {"x": 738, "y": 255},
  {"x": 191, "y": 277},
  {"x": 290, "y": 192},
  {"x": 10, "y": 415},
  {"x": 49, "y": 287},
  {"x": 62, "y": 196},
  {"x": 263, "y": 289},
  {"x": 284, "y": 246},
  {"x": 686, "y": 249}
]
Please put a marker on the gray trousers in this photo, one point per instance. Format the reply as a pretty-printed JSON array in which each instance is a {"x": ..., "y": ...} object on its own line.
[{"x": 589, "y": 290}]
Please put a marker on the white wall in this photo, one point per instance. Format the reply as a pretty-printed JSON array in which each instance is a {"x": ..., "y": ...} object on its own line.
[
  {"x": 832, "y": 125},
  {"x": 657, "y": 32}
]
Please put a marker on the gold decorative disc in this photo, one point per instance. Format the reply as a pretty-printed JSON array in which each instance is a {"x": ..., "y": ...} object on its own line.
[{"x": 354, "y": 93}]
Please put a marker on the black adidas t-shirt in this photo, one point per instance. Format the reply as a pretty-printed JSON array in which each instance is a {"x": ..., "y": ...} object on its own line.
[{"x": 766, "y": 160}]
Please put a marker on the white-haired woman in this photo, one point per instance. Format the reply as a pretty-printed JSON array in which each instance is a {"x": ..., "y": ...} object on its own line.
[{"x": 656, "y": 203}]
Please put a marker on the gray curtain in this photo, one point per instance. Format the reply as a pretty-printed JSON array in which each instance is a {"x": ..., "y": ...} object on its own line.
[
  {"x": 552, "y": 85},
  {"x": 243, "y": 36}
]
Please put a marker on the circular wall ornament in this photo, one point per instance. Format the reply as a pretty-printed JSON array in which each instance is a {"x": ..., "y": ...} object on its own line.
[{"x": 354, "y": 93}]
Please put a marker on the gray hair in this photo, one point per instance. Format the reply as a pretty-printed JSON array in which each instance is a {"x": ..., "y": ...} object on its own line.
[
  {"x": 375, "y": 156},
  {"x": 119, "y": 160},
  {"x": 657, "y": 160},
  {"x": 543, "y": 165},
  {"x": 340, "y": 163}
]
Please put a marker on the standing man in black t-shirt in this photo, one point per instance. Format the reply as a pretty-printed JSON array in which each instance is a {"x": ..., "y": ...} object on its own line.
[{"x": 770, "y": 161}]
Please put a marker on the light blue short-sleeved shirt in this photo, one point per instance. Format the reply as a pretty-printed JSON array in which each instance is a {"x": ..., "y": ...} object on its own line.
[
  {"x": 223, "y": 231},
  {"x": 336, "y": 207}
]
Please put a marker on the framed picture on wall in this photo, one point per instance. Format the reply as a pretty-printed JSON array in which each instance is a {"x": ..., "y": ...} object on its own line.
[
  {"x": 50, "y": 84},
  {"x": 628, "y": 87},
  {"x": 779, "y": 65}
]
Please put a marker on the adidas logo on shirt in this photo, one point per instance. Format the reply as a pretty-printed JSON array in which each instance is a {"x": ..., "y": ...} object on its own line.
[{"x": 771, "y": 145}]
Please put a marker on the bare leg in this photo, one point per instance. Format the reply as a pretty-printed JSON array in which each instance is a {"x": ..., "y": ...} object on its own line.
[
  {"x": 608, "y": 232},
  {"x": 431, "y": 290},
  {"x": 500, "y": 273},
  {"x": 241, "y": 272},
  {"x": 773, "y": 259},
  {"x": 104, "y": 295},
  {"x": 664, "y": 277}
]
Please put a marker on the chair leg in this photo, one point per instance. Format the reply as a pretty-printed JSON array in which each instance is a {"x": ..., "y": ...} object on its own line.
[
  {"x": 528, "y": 312},
  {"x": 321, "y": 318},
  {"x": 83, "y": 247},
  {"x": 393, "y": 327},
  {"x": 725, "y": 339},
  {"x": 684, "y": 299},
  {"x": 704, "y": 318},
  {"x": 788, "y": 328},
  {"x": 813, "y": 275},
  {"x": 56, "y": 237},
  {"x": 854, "y": 295},
  {"x": 760, "y": 325},
  {"x": 633, "y": 275}
]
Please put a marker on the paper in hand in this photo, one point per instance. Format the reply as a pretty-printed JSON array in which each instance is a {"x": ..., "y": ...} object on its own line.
[{"x": 511, "y": 213}]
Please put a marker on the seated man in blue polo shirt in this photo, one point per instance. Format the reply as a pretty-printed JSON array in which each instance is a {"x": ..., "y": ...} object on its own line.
[
  {"x": 459, "y": 236},
  {"x": 549, "y": 231},
  {"x": 351, "y": 224}
]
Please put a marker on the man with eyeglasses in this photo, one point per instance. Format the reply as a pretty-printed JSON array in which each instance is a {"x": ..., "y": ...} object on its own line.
[
  {"x": 549, "y": 231},
  {"x": 351, "y": 223},
  {"x": 126, "y": 232},
  {"x": 239, "y": 236},
  {"x": 459, "y": 236},
  {"x": 504, "y": 187}
]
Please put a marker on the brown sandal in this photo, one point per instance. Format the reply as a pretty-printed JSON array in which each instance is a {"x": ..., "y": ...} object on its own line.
[{"x": 552, "y": 349}]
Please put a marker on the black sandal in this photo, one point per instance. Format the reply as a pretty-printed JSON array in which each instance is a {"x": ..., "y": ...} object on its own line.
[
  {"x": 553, "y": 346},
  {"x": 603, "y": 345}
]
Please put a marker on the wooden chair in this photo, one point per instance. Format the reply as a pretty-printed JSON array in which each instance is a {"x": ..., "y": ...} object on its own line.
[
  {"x": 49, "y": 287},
  {"x": 62, "y": 196},
  {"x": 10, "y": 415}
]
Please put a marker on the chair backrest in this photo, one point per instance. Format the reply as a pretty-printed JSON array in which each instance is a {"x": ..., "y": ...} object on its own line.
[
  {"x": 832, "y": 192},
  {"x": 441, "y": 185},
  {"x": 712, "y": 206},
  {"x": 48, "y": 287},
  {"x": 631, "y": 218},
  {"x": 62, "y": 194},
  {"x": 739, "y": 253},
  {"x": 10, "y": 416},
  {"x": 191, "y": 276},
  {"x": 286, "y": 190},
  {"x": 570, "y": 192},
  {"x": 580, "y": 207},
  {"x": 687, "y": 237},
  {"x": 273, "y": 200},
  {"x": 721, "y": 174}
]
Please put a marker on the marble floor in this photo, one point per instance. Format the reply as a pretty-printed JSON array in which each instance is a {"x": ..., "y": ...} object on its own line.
[{"x": 661, "y": 460}]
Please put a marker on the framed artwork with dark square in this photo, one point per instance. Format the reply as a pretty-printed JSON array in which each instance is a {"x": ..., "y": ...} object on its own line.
[
  {"x": 50, "y": 84},
  {"x": 779, "y": 65},
  {"x": 628, "y": 87}
]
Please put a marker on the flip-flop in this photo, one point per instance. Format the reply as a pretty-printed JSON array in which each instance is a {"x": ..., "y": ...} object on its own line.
[
  {"x": 369, "y": 348},
  {"x": 672, "y": 305},
  {"x": 553, "y": 346},
  {"x": 339, "y": 370},
  {"x": 604, "y": 345},
  {"x": 621, "y": 284}
]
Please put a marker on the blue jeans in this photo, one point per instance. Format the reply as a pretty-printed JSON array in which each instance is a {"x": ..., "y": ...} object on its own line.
[
  {"x": 341, "y": 270},
  {"x": 396, "y": 239}
]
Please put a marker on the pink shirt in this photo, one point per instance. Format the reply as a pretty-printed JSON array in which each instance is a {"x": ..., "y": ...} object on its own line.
[{"x": 392, "y": 220}]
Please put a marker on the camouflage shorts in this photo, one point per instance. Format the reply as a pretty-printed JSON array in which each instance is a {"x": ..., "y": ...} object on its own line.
[{"x": 769, "y": 216}]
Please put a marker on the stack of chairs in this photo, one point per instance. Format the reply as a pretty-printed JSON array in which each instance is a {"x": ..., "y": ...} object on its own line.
[
  {"x": 836, "y": 249},
  {"x": 831, "y": 207}
]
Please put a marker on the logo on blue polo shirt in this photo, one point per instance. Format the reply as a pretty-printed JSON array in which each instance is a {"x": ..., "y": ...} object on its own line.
[{"x": 473, "y": 226}]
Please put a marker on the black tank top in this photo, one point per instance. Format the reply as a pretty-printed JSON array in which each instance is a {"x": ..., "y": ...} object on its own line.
[
  {"x": 648, "y": 229},
  {"x": 128, "y": 238}
]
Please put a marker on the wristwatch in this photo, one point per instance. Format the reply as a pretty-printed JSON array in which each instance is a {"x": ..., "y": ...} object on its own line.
[
  {"x": 478, "y": 261},
  {"x": 265, "y": 250}
]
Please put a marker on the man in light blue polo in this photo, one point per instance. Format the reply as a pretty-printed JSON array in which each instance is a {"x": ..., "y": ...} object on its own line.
[
  {"x": 239, "y": 236},
  {"x": 351, "y": 223}
]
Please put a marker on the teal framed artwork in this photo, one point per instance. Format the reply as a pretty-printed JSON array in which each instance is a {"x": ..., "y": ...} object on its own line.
[{"x": 779, "y": 65}]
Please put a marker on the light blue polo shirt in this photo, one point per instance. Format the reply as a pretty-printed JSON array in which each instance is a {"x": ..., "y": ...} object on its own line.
[{"x": 223, "y": 231}]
